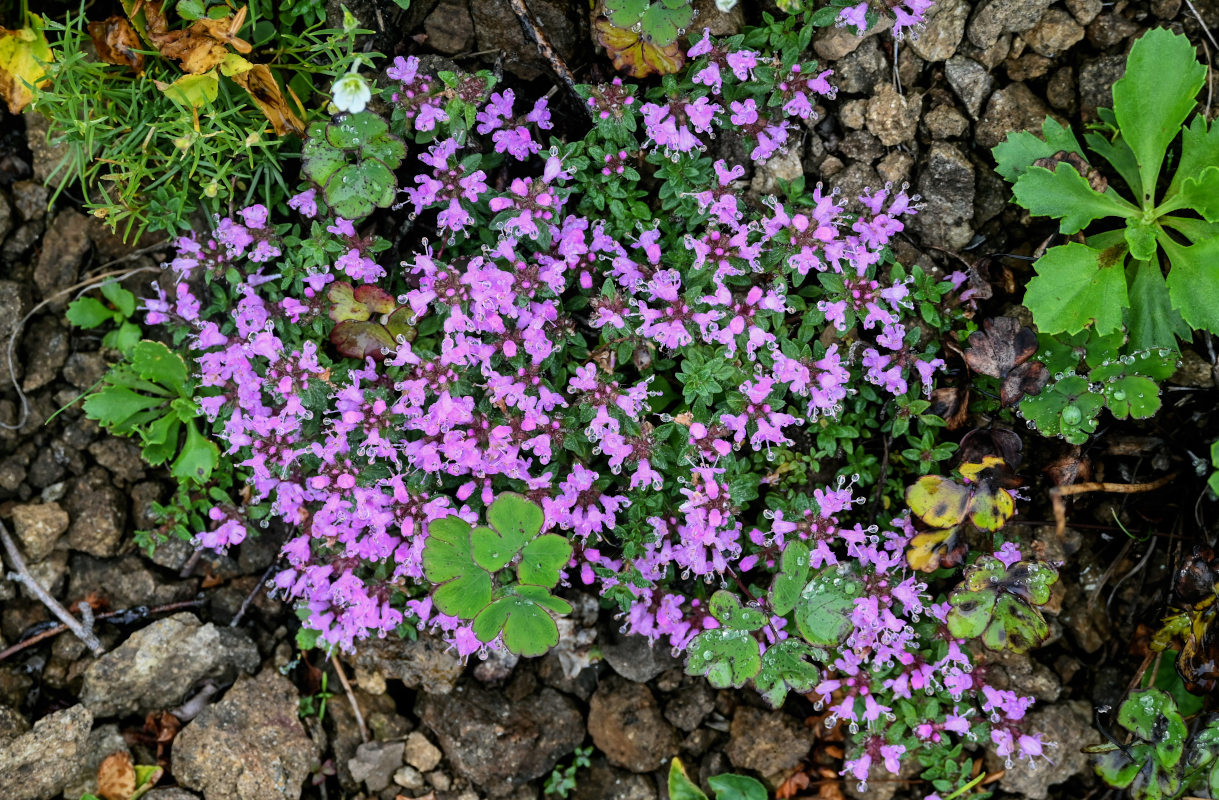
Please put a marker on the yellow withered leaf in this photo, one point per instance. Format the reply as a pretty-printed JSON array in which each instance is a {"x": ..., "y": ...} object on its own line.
[
  {"x": 938, "y": 501},
  {"x": 260, "y": 83},
  {"x": 934, "y": 549},
  {"x": 633, "y": 54},
  {"x": 23, "y": 56}
]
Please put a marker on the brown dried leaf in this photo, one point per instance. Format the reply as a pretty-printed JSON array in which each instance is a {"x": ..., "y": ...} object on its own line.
[
  {"x": 1097, "y": 181},
  {"x": 635, "y": 55},
  {"x": 951, "y": 404},
  {"x": 261, "y": 85},
  {"x": 1072, "y": 467},
  {"x": 116, "y": 42},
  {"x": 1002, "y": 349},
  {"x": 200, "y": 47},
  {"x": 982, "y": 442},
  {"x": 116, "y": 777},
  {"x": 792, "y": 786}
]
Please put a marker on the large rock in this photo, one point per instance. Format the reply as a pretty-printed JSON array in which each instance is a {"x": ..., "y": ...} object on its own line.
[
  {"x": 500, "y": 745},
  {"x": 249, "y": 746},
  {"x": 946, "y": 182},
  {"x": 158, "y": 665},
  {"x": 13, "y": 303},
  {"x": 63, "y": 249},
  {"x": 1012, "y": 108},
  {"x": 1096, "y": 79},
  {"x": 1056, "y": 32},
  {"x": 422, "y": 663},
  {"x": 858, "y": 72},
  {"x": 994, "y": 18},
  {"x": 626, "y": 725},
  {"x": 37, "y": 765},
  {"x": 769, "y": 743},
  {"x": 99, "y": 514},
  {"x": 1069, "y": 726},
  {"x": 970, "y": 81},
  {"x": 38, "y": 528},
  {"x": 942, "y": 32}
]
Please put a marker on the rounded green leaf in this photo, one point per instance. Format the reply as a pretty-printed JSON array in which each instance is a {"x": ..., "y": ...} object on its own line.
[
  {"x": 726, "y": 607},
  {"x": 938, "y": 501},
  {"x": 726, "y": 657},
  {"x": 680, "y": 785},
  {"x": 88, "y": 312},
  {"x": 319, "y": 160},
  {"x": 353, "y": 131},
  {"x": 785, "y": 665},
  {"x": 789, "y": 582},
  {"x": 1015, "y": 626},
  {"x": 464, "y": 589},
  {"x": 361, "y": 339},
  {"x": 1151, "y": 715},
  {"x": 354, "y": 190},
  {"x": 198, "y": 457},
  {"x": 543, "y": 559},
  {"x": 737, "y": 787},
  {"x": 1117, "y": 769},
  {"x": 516, "y": 517},
  {"x": 970, "y": 612},
  {"x": 1032, "y": 581},
  {"x": 823, "y": 613},
  {"x": 625, "y": 13},
  {"x": 1076, "y": 286},
  {"x": 527, "y": 628},
  {"x": 1048, "y": 410},
  {"x": 984, "y": 573}
]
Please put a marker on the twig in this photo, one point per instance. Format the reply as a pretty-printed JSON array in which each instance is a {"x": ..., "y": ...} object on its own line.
[
  {"x": 250, "y": 597},
  {"x": 351, "y": 698},
  {"x": 58, "y": 629},
  {"x": 84, "y": 632},
  {"x": 534, "y": 34},
  {"x": 1059, "y": 492},
  {"x": 1205, "y": 29},
  {"x": 83, "y": 285}
]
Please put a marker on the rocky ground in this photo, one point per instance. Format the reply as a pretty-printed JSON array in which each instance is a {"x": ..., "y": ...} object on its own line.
[{"x": 218, "y": 704}]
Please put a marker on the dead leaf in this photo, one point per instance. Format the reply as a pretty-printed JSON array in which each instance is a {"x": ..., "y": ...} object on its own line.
[
  {"x": 200, "y": 47},
  {"x": 1072, "y": 467},
  {"x": 261, "y": 85},
  {"x": 23, "y": 53},
  {"x": 1097, "y": 181},
  {"x": 951, "y": 404},
  {"x": 160, "y": 729},
  {"x": 982, "y": 442},
  {"x": 116, "y": 777},
  {"x": 634, "y": 55},
  {"x": 1002, "y": 349},
  {"x": 116, "y": 42},
  {"x": 792, "y": 786}
]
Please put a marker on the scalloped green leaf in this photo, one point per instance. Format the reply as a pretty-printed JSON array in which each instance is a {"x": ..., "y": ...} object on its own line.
[
  {"x": 938, "y": 501},
  {"x": 663, "y": 25},
  {"x": 153, "y": 361},
  {"x": 354, "y": 190},
  {"x": 516, "y": 518},
  {"x": 1068, "y": 407},
  {"x": 1141, "y": 238},
  {"x": 1202, "y": 193},
  {"x": 319, "y": 160},
  {"x": 726, "y": 607},
  {"x": 1151, "y": 714},
  {"x": 1199, "y": 150},
  {"x": 355, "y": 131},
  {"x": 785, "y": 665},
  {"x": 1193, "y": 281},
  {"x": 463, "y": 588},
  {"x": 88, "y": 312},
  {"x": 1020, "y": 149},
  {"x": 1066, "y": 195},
  {"x": 198, "y": 457},
  {"x": 1152, "y": 321},
  {"x": 789, "y": 581},
  {"x": 823, "y": 613},
  {"x": 970, "y": 613},
  {"x": 1132, "y": 396},
  {"x": 1015, "y": 626},
  {"x": 1075, "y": 288},
  {"x": 726, "y": 657},
  {"x": 543, "y": 560},
  {"x": 523, "y": 619}
]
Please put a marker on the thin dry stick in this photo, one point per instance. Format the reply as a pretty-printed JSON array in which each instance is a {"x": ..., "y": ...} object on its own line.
[
  {"x": 534, "y": 34},
  {"x": 58, "y": 629},
  {"x": 84, "y": 285},
  {"x": 245, "y": 604},
  {"x": 84, "y": 631},
  {"x": 1059, "y": 492},
  {"x": 351, "y": 698}
]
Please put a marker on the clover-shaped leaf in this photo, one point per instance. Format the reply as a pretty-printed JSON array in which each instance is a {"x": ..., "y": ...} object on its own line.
[
  {"x": 1068, "y": 407},
  {"x": 823, "y": 613},
  {"x": 358, "y": 303},
  {"x": 726, "y": 607},
  {"x": 789, "y": 581},
  {"x": 943, "y": 503},
  {"x": 464, "y": 588},
  {"x": 785, "y": 666},
  {"x": 543, "y": 559},
  {"x": 353, "y": 159},
  {"x": 726, "y": 657},
  {"x": 996, "y": 602},
  {"x": 937, "y": 548},
  {"x": 370, "y": 321},
  {"x": 1151, "y": 764},
  {"x": 522, "y": 616}
]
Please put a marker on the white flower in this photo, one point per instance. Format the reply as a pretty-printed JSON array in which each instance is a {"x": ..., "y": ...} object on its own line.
[
  {"x": 725, "y": 5},
  {"x": 351, "y": 93}
]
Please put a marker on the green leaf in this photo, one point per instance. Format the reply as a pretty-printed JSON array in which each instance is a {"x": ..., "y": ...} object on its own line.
[
  {"x": 1119, "y": 155},
  {"x": 153, "y": 361},
  {"x": 737, "y": 787},
  {"x": 191, "y": 9},
  {"x": 543, "y": 559},
  {"x": 1151, "y": 714},
  {"x": 1064, "y": 193},
  {"x": 1199, "y": 150},
  {"x": 1151, "y": 109},
  {"x": 726, "y": 657},
  {"x": 516, "y": 517},
  {"x": 1019, "y": 150},
  {"x": 970, "y": 613},
  {"x": 353, "y": 131},
  {"x": 726, "y": 607},
  {"x": 1202, "y": 194},
  {"x": 1193, "y": 281},
  {"x": 1074, "y": 289},
  {"x": 122, "y": 299},
  {"x": 319, "y": 160},
  {"x": 194, "y": 91},
  {"x": 1152, "y": 321},
  {"x": 354, "y": 190},
  {"x": 789, "y": 581},
  {"x": 526, "y": 625},
  {"x": 823, "y": 613},
  {"x": 1141, "y": 238},
  {"x": 680, "y": 785},
  {"x": 463, "y": 588},
  {"x": 161, "y": 440},
  {"x": 1016, "y": 626},
  {"x": 88, "y": 312},
  {"x": 198, "y": 457},
  {"x": 1132, "y": 396},
  {"x": 124, "y": 338},
  {"x": 785, "y": 666},
  {"x": 625, "y": 13},
  {"x": 116, "y": 404}
]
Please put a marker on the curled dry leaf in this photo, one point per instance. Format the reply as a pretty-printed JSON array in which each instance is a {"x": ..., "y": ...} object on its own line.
[
  {"x": 982, "y": 442},
  {"x": 1071, "y": 467},
  {"x": 116, "y": 42},
  {"x": 1002, "y": 349},
  {"x": 200, "y": 47},
  {"x": 261, "y": 85},
  {"x": 950, "y": 403},
  {"x": 23, "y": 53},
  {"x": 1097, "y": 181},
  {"x": 116, "y": 777}
]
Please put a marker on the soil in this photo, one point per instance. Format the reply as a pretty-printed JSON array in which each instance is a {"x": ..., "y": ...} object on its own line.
[{"x": 200, "y": 672}]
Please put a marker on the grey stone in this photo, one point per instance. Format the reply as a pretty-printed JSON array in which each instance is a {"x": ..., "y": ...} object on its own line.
[
  {"x": 1096, "y": 79},
  {"x": 249, "y": 746},
  {"x": 1012, "y": 108},
  {"x": 420, "y": 753},
  {"x": 38, "y": 764},
  {"x": 853, "y": 114},
  {"x": 82, "y": 370},
  {"x": 49, "y": 573},
  {"x": 47, "y": 157},
  {"x": 500, "y": 745},
  {"x": 497, "y": 28},
  {"x": 409, "y": 778},
  {"x": 635, "y": 657},
  {"x": 6, "y": 216},
  {"x": 99, "y": 514},
  {"x": 1111, "y": 29},
  {"x": 21, "y": 241},
  {"x": 1070, "y": 725},
  {"x": 120, "y": 456},
  {"x": 381, "y": 719},
  {"x": 63, "y": 250},
  {"x": 38, "y": 528},
  {"x": 608, "y": 783},
  {"x": 942, "y": 31},
  {"x": 422, "y": 663},
  {"x": 12, "y": 309},
  {"x": 1060, "y": 90},
  {"x": 892, "y": 117},
  {"x": 945, "y": 122},
  {"x": 993, "y": 18},
  {"x": 861, "y": 146},
  {"x": 1084, "y": 11},
  {"x": 768, "y": 742},
  {"x": 170, "y": 793},
  {"x": 862, "y": 69},
  {"x": 158, "y": 665},
  {"x": 449, "y": 28},
  {"x": 971, "y": 82},
  {"x": 626, "y": 724},
  {"x": 833, "y": 43},
  {"x": 375, "y": 764},
  {"x": 785, "y": 165},
  {"x": 30, "y": 200},
  {"x": 946, "y": 182},
  {"x": 690, "y": 706},
  {"x": 47, "y": 348},
  {"x": 126, "y": 581},
  {"x": 853, "y": 181},
  {"x": 895, "y": 167},
  {"x": 103, "y": 741},
  {"x": 720, "y": 23},
  {"x": 12, "y": 724},
  {"x": 1055, "y": 33},
  {"x": 1194, "y": 371},
  {"x": 143, "y": 497}
]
